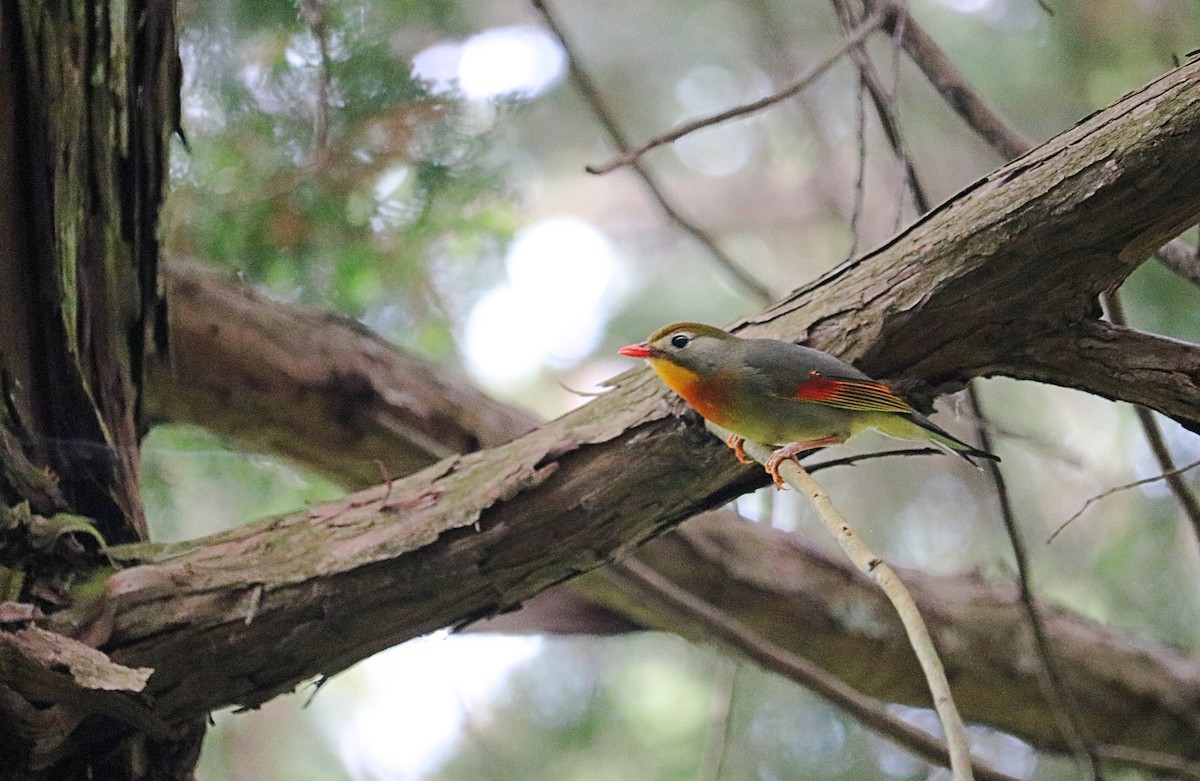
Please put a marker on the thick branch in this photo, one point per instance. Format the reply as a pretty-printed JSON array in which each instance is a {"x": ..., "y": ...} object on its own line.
[
  {"x": 1117, "y": 363},
  {"x": 250, "y": 613},
  {"x": 791, "y": 594},
  {"x": 313, "y": 387}
]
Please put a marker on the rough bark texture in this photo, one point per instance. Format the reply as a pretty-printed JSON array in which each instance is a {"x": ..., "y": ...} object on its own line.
[
  {"x": 88, "y": 97},
  {"x": 1130, "y": 691},
  {"x": 309, "y": 385},
  {"x": 1008, "y": 267},
  {"x": 1135, "y": 692},
  {"x": 1014, "y": 260}
]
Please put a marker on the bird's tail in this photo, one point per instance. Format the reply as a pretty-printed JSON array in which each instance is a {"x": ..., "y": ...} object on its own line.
[{"x": 922, "y": 427}]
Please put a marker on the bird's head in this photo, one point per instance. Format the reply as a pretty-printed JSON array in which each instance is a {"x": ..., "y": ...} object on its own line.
[{"x": 695, "y": 347}]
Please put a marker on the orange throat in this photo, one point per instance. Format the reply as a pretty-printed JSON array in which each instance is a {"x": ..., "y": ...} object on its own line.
[{"x": 709, "y": 397}]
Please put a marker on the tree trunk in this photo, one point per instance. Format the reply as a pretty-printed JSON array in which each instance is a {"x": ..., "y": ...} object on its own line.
[
  {"x": 1008, "y": 269},
  {"x": 88, "y": 100},
  {"x": 1000, "y": 280}
]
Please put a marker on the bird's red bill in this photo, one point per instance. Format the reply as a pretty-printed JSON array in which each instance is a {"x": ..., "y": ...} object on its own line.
[
  {"x": 635, "y": 350},
  {"x": 851, "y": 394}
]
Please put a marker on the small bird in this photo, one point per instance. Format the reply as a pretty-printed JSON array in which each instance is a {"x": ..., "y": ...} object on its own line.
[{"x": 781, "y": 394}]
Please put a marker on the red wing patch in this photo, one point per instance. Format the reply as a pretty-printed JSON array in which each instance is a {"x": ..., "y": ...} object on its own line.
[{"x": 860, "y": 395}]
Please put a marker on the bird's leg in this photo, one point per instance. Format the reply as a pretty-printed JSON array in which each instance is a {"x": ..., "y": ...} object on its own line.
[
  {"x": 791, "y": 450},
  {"x": 735, "y": 442}
]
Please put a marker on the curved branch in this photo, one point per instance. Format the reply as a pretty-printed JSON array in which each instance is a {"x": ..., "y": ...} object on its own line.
[
  {"x": 1117, "y": 363},
  {"x": 244, "y": 615},
  {"x": 798, "y": 610},
  {"x": 313, "y": 387}
]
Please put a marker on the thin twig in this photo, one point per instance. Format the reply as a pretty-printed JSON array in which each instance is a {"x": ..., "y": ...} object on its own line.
[
  {"x": 949, "y": 82},
  {"x": 712, "y": 761},
  {"x": 882, "y": 574},
  {"x": 884, "y": 99},
  {"x": 908, "y": 171},
  {"x": 314, "y": 14},
  {"x": 852, "y": 460},
  {"x": 591, "y": 95},
  {"x": 885, "y": 110},
  {"x": 1118, "y": 489},
  {"x": 860, "y": 173},
  {"x": 860, "y": 34},
  {"x": 1154, "y": 436},
  {"x": 770, "y": 32},
  {"x": 1058, "y": 697},
  {"x": 721, "y": 626}
]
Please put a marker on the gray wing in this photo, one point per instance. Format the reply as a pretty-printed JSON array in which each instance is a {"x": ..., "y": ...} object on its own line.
[{"x": 782, "y": 367}]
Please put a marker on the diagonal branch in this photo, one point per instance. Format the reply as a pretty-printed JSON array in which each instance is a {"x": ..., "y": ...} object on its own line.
[
  {"x": 241, "y": 616},
  {"x": 1117, "y": 363},
  {"x": 792, "y": 595},
  {"x": 881, "y": 573},
  {"x": 853, "y": 39}
]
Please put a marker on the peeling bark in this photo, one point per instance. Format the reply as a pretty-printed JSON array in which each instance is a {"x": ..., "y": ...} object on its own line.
[
  {"x": 242, "y": 616},
  {"x": 88, "y": 100},
  {"x": 791, "y": 594},
  {"x": 1021, "y": 254}
]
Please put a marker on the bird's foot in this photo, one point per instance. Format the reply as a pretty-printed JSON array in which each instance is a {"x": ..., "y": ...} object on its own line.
[
  {"x": 735, "y": 442},
  {"x": 791, "y": 450}
]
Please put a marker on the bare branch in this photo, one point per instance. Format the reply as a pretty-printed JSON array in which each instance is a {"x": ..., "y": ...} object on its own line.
[
  {"x": 952, "y": 85},
  {"x": 591, "y": 95},
  {"x": 870, "y": 713},
  {"x": 853, "y": 39},
  {"x": 1066, "y": 711},
  {"x": 885, "y": 109},
  {"x": 1154, "y": 437},
  {"x": 881, "y": 573},
  {"x": 1173, "y": 472}
]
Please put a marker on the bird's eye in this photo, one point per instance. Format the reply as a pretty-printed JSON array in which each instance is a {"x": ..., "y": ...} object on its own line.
[{"x": 679, "y": 341}]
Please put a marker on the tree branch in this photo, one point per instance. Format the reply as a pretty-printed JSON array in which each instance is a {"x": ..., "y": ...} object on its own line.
[
  {"x": 799, "y": 605},
  {"x": 854, "y": 38},
  {"x": 313, "y": 387},
  {"x": 1117, "y": 363},
  {"x": 244, "y": 615}
]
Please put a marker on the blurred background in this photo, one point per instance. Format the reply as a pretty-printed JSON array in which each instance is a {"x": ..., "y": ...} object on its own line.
[{"x": 419, "y": 166}]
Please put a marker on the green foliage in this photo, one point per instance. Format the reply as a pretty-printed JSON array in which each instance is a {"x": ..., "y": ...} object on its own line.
[
  {"x": 318, "y": 166},
  {"x": 402, "y": 215}
]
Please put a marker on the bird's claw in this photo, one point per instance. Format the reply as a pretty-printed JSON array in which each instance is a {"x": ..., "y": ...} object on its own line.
[
  {"x": 735, "y": 442},
  {"x": 790, "y": 451}
]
